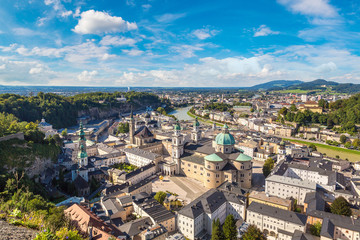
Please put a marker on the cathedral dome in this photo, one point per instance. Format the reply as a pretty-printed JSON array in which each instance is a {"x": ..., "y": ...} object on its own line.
[
  {"x": 243, "y": 158},
  {"x": 177, "y": 126},
  {"x": 225, "y": 138}
]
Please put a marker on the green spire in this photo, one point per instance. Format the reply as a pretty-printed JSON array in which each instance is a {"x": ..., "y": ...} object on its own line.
[
  {"x": 82, "y": 153},
  {"x": 82, "y": 133},
  {"x": 177, "y": 126},
  {"x": 196, "y": 123}
]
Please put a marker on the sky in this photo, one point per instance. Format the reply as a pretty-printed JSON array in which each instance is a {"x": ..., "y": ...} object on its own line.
[{"x": 169, "y": 43}]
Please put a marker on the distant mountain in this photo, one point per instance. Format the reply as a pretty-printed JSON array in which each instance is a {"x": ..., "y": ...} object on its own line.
[
  {"x": 276, "y": 85},
  {"x": 316, "y": 84}
]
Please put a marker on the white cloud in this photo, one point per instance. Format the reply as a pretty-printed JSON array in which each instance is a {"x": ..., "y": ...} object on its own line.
[
  {"x": 2, "y": 67},
  {"x": 95, "y": 22},
  {"x": 66, "y": 13},
  {"x": 133, "y": 52},
  {"x": 36, "y": 70},
  {"x": 204, "y": 33},
  {"x": 24, "y": 32},
  {"x": 263, "y": 30},
  {"x": 314, "y": 8},
  {"x": 326, "y": 67},
  {"x": 87, "y": 76},
  {"x": 187, "y": 51},
  {"x": 76, "y": 53},
  {"x": 169, "y": 17},
  {"x": 117, "y": 41},
  {"x": 77, "y": 12},
  {"x": 146, "y": 7}
]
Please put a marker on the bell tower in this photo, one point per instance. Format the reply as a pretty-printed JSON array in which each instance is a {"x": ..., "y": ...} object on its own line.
[{"x": 177, "y": 146}]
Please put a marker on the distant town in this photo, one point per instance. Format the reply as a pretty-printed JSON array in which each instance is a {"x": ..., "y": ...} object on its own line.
[{"x": 199, "y": 164}]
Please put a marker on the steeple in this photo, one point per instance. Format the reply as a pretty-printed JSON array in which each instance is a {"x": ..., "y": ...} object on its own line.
[{"x": 132, "y": 127}]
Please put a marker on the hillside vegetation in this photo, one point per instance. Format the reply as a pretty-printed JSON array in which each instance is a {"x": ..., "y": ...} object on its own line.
[{"x": 62, "y": 111}]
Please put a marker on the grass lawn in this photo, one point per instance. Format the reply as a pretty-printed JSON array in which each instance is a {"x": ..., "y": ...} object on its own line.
[
  {"x": 332, "y": 151},
  {"x": 203, "y": 119}
]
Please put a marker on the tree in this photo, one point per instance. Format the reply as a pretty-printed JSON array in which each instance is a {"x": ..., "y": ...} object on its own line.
[
  {"x": 283, "y": 111},
  {"x": 313, "y": 147},
  {"x": 217, "y": 233},
  {"x": 342, "y": 139},
  {"x": 123, "y": 128},
  {"x": 356, "y": 143},
  {"x": 316, "y": 229},
  {"x": 268, "y": 166},
  {"x": 229, "y": 228},
  {"x": 323, "y": 103},
  {"x": 340, "y": 207},
  {"x": 253, "y": 233},
  {"x": 64, "y": 132},
  {"x": 160, "y": 196},
  {"x": 293, "y": 108}
]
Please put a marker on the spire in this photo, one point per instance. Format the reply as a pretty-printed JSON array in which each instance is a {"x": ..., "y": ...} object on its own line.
[
  {"x": 82, "y": 133},
  {"x": 225, "y": 128},
  {"x": 131, "y": 113}
]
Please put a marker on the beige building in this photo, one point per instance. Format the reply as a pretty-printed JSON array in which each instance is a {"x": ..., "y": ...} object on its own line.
[
  {"x": 272, "y": 220},
  {"x": 287, "y": 187},
  {"x": 214, "y": 162},
  {"x": 335, "y": 226}
]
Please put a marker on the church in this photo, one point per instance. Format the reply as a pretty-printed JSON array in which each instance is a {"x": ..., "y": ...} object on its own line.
[{"x": 215, "y": 161}]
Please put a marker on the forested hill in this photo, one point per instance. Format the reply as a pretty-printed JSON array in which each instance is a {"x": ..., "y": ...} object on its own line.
[{"x": 62, "y": 111}]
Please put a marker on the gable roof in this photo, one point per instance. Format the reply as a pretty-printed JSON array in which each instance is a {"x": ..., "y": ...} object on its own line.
[
  {"x": 278, "y": 213},
  {"x": 143, "y": 132}
]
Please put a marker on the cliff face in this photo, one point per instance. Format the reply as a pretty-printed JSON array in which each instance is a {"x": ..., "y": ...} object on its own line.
[
  {"x": 97, "y": 113},
  {"x": 102, "y": 113},
  {"x": 11, "y": 232}
]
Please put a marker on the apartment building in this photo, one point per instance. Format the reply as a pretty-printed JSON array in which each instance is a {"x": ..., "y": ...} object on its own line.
[{"x": 272, "y": 220}]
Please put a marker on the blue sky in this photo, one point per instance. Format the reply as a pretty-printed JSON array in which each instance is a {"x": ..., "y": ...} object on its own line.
[{"x": 213, "y": 43}]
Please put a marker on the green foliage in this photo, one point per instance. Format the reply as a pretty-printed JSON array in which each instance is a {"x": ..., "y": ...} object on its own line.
[
  {"x": 340, "y": 207},
  {"x": 316, "y": 229},
  {"x": 19, "y": 154},
  {"x": 124, "y": 166},
  {"x": 222, "y": 107},
  {"x": 9, "y": 124},
  {"x": 343, "y": 139},
  {"x": 62, "y": 234},
  {"x": 217, "y": 233},
  {"x": 293, "y": 108},
  {"x": 64, "y": 133},
  {"x": 160, "y": 196},
  {"x": 323, "y": 103},
  {"x": 253, "y": 233},
  {"x": 123, "y": 128},
  {"x": 313, "y": 147},
  {"x": 229, "y": 228},
  {"x": 62, "y": 111},
  {"x": 268, "y": 166}
]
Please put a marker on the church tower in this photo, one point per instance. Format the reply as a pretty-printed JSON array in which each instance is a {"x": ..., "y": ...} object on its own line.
[
  {"x": 132, "y": 128},
  {"x": 196, "y": 133},
  {"x": 82, "y": 157},
  {"x": 82, "y": 139},
  {"x": 177, "y": 146}
]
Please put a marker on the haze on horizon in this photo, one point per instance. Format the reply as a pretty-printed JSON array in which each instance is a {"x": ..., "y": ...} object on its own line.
[{"x": 164, "y": 43}]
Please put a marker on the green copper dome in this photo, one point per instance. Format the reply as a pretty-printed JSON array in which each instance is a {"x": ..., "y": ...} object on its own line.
[
  {"x": 196, "y": 123},
  {"x": 243, "y": 157},
  {"x": 225, "y": 138},
  {"x": 213, "y": 158},
  {"x": 82, "y": 153},
  {"x": 177, "y": 126}
]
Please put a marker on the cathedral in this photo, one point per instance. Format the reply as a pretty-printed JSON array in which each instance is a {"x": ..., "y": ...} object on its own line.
[{"x": 215, "y": 161}]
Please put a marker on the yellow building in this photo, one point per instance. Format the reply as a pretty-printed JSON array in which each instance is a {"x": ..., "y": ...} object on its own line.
[{"x": 277, "y": 202}]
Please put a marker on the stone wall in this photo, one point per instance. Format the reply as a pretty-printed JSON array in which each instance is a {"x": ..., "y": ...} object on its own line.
[
  {"x": 19, "y": 135},
  {"x": 11, "y": 232}
]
